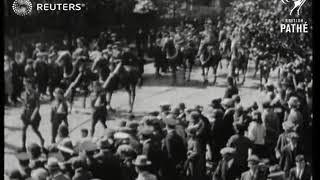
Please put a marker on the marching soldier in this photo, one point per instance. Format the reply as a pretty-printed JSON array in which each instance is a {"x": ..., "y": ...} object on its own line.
[
  {"x": 30, "y": 114},
  {"x": 59, "y": 113},
  {"x": 98, "y": 104}
]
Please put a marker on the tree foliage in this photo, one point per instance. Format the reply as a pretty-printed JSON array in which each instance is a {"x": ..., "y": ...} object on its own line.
[{"x": 260, "y": 20}]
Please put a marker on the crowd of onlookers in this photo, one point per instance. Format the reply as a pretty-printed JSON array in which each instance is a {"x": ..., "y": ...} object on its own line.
[
  {"x": 270, "y": 139},
  {"x": 224, "y": 140}
]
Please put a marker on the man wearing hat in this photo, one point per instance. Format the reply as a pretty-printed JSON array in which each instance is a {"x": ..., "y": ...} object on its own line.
[
  {"x": 98, "y": 104},
  {"x": 59, "y": 113},
  {"x": 253, "y": 172},
  {"x": 228, "y": 167},
  {"x": 142, "y": 164},
  {"x": 241, "y": 143},
  {"x": 81, "y": 172},
  {"x": 151, "y": 149},
  {"x": 30, "y": 114},
  {"x": 55, "y": 172},
  {"x": 272, "y": 125},
  {"x": 289, "y": 152},
  {"x": 164, "y": 110},
  {"x": 302, "y": 171},
  {"x": 174, "y": 150},
  {"x": 105, "y": 161}
]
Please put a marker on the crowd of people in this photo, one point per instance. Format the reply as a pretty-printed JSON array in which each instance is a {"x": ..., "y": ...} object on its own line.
[
  {"x": 224, "y": 140},
  {"x": 270, "y": 139}
]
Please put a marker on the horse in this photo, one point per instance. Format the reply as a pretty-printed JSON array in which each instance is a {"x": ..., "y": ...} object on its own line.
[
  {"x": 239, "y": 62},
  {"x": 70, "y": 72},
  {"x": 188, "y": 52},
  {"x": 124, "y": 76},
  {"x": 209, "y": 57},
  {"x": 172, "y": 54}
]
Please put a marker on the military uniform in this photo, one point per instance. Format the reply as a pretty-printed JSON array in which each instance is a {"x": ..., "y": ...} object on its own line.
[
  {"x": 98, "y": 104},
  {"x": 31, "y": 101},
  {"x": 59, "y": 113}
]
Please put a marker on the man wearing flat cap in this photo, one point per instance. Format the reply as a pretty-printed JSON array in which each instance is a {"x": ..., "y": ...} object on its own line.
[
  {"x": 253, "y": 172},
  {"x": 151, "y": 148},
  {"x": 105, "y": 161},
  {"x": 242, "y": 144},
  {"x": 142, "y": 163},
  {"x": 55, "y": 172},
  {"x": 174, "y": 151},
  {"x": 228, "y": 167},
  {"x": 80, "y": 170}
]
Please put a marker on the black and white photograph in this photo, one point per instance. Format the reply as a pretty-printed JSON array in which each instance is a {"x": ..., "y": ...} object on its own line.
[{"x": 158, "y": 90}]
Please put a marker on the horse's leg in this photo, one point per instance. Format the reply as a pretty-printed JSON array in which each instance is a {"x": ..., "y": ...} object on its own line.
[
  {"x": 206, "y": 75},
  {"x": 133, "y": 96},
  {"x": 256, "y": 66},
  {"x": 214, "y": 72},
  {"x": 184, "y": 67},
  {"x": 261, "y": 76},
  {"x": 129, "y": 94},
  {"x": 189, "y": 70},
  {"x": 108, "y": 99},
  {"x": 244, "y": 71},
  {"x": 174, "y": 75}
]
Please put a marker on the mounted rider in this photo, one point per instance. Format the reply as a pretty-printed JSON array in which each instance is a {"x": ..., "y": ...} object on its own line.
[{"x": 207, "y": 36}]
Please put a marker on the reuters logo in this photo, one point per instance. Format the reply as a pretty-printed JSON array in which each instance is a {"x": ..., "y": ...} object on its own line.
[{"x": 22, "y": 7}]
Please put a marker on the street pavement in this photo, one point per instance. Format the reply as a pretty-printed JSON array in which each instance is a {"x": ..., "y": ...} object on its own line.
[{"x": 148, "y": 97}]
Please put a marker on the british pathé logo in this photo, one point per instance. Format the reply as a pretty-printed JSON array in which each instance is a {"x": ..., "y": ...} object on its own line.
[
  {"x": 297, "y": 5},
  {"x": 22, "y": 7},
  {"x": 294, "y": 26}
]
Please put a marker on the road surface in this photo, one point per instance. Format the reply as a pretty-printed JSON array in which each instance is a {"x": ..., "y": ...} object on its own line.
[{"x": 148, "y": 97}]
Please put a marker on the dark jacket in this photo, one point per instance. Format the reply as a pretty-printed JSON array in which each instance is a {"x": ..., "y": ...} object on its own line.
[
  {"x": 287, "y": 159},
  {"x": 223, "y": 172},
  {"x": 153, "y": 152},
  {"x": 306, "y": 174},
  {"x": 82, "y": 174},
  {"x": 106, "y": 162}
]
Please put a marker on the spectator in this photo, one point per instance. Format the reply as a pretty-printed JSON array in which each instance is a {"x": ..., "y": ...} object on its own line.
[
  {"x": 39, "y": 174},
  {"x": 257, "y": 133},
  {"x": 141, "y": 164}
]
